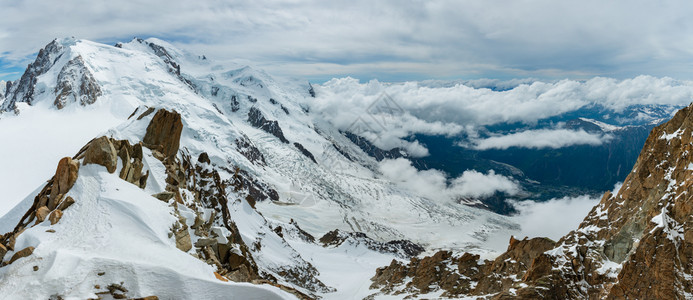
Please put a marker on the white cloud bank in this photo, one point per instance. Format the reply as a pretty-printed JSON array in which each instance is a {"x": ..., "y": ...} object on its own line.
[
  {"x": 526, "y": 103},
  {"x": 553, "y": 218},
  {"x": 542, "y": 138},
  {"x": 556, "y": 217},
  {"x": 433, "y": 184},
  {"x": 449, "y": 110}
]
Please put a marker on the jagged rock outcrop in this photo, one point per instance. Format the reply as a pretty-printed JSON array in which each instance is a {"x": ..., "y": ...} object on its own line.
[
  {"x": 131, "y": 157},
  {"x": 400, "y": 248},
  {"x": 248, "y": 149},
  {"x": 229, "y": 253},
  {"x": 257, "y": 119},
  {"x": 49, "y": 204},
  {"x": 163, "y": 132},
  {"x": 305, "y": 152},
  {"x": 460, "y": 275},
  {"x": 100, "y": 151},
  {"x": 636, "y": 244},
  {"x": 65, "y": 176},
  {"x": 253, "y": 188},
  {"x": 76, "y": 84},
  {"x": 311, "y": 91},
  {"x": 193, "y": 186},
  {"x": 235, "y": 105},
  {"x": 169, "y": 60},
  {"x": 24, "y": 89}
]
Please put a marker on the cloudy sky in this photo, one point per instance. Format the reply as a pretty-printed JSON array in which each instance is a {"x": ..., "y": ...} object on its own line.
[{"x": 390, "y": 40}]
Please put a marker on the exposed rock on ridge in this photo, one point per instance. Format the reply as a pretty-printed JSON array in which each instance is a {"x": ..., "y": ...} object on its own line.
[
  {"x": 257, "y": 119},
  {"x": 23, "y": 91},
  {"x": 76, "y": 84},
  {"x": 163, "y": 132}
]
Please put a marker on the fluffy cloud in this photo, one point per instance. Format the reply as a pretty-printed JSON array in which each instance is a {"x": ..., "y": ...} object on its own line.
[
  {"x": 433, "y": 184},
  {"x": 556, "y": 217},
  {"x": 392, "y": 39},
  {"x": 437, "y": 108},
  {"x": 475, "y": 184},
  {"x": 464, "y": 105},
  {"x": 376, "y": 116},
  {"x": 542, "y": 138},
  {"x": 553, "y": 218}
]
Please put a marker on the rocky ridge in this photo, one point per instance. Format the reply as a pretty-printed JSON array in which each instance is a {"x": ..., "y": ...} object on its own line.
[
  {"x": 197, "y": 187},
  {"x": 203, "y": 204},
  {"x": 213, "y": 167}
]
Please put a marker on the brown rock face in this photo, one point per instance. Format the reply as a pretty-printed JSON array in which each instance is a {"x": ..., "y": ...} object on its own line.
[
  {"x": 183, "y": 241},
  {"x": 67, "y": 202},
  {"x": 131, "y": 157},
  {"x": 468, "y": 278},
  {"x": 41, "y": 214},
  {"x": 76, "y": 84},
  {"x": 55, "y": 216},
  {"x": 163, "y": 132},
  {"x": 22, "y": 253},
  {"x": 106, "y": 151},
  {"x": 65, "y": 176},
  {"x": 3, "y": 251},
  {"x": 101, "y": 152},
  {"x": 637, "y": 244}
]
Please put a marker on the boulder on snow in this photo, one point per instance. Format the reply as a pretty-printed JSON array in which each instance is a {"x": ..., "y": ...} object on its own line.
[
  {"x": 41, "y": 214},
  {"x": 201, "y": 242},
  {"x": 164, "y": 196},
  {"x": 101, "y": 152},
  {"x": 66, "y": 203},
  {"x": 180, "y": 231},
  {"x": 65, "y": 176},
  {"x": 22, "y": 253},
  {"x": 183, "y": 241},
  {"x": 55, "y": 216},
  {"x": 53, "y": 202},
  {"x": 163, "y": 132}
]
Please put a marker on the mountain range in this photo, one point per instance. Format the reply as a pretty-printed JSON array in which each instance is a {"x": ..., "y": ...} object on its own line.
[{"x": 190, "y": 178}]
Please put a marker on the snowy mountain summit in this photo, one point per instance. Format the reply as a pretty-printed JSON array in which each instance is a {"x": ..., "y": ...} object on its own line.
[{"x": 207, "y": 181}]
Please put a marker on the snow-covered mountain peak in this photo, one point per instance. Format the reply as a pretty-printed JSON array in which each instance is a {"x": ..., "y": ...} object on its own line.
[{"x": 248, "y": 140}]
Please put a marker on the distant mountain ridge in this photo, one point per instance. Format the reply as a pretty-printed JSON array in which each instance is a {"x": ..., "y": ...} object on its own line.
[{"x": 635, "y": 244}]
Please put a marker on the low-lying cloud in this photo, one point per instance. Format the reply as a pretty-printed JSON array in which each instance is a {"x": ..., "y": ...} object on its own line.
[
  {"x": 433, "y": 184},
  {"x": 553, "y": 218},
  {"x": 441, "y": 109},
  {"x": 542, "y": 138},
  {"x": 526, "y": 103}
]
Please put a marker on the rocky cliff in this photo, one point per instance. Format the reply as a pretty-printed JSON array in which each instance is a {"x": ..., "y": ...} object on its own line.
[
  {"x": 74, "y": 82},
  {"x": 636, "y": 244}
]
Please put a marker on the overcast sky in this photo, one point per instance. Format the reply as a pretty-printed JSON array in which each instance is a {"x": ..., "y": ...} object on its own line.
[{"x": 389, "y": 40}]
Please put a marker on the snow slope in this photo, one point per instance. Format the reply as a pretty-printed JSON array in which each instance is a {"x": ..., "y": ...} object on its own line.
[
  {"x": 346, "y": 194},
  {"x": 116, "y": 228},
  {"x": 340, "y": 187}
]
